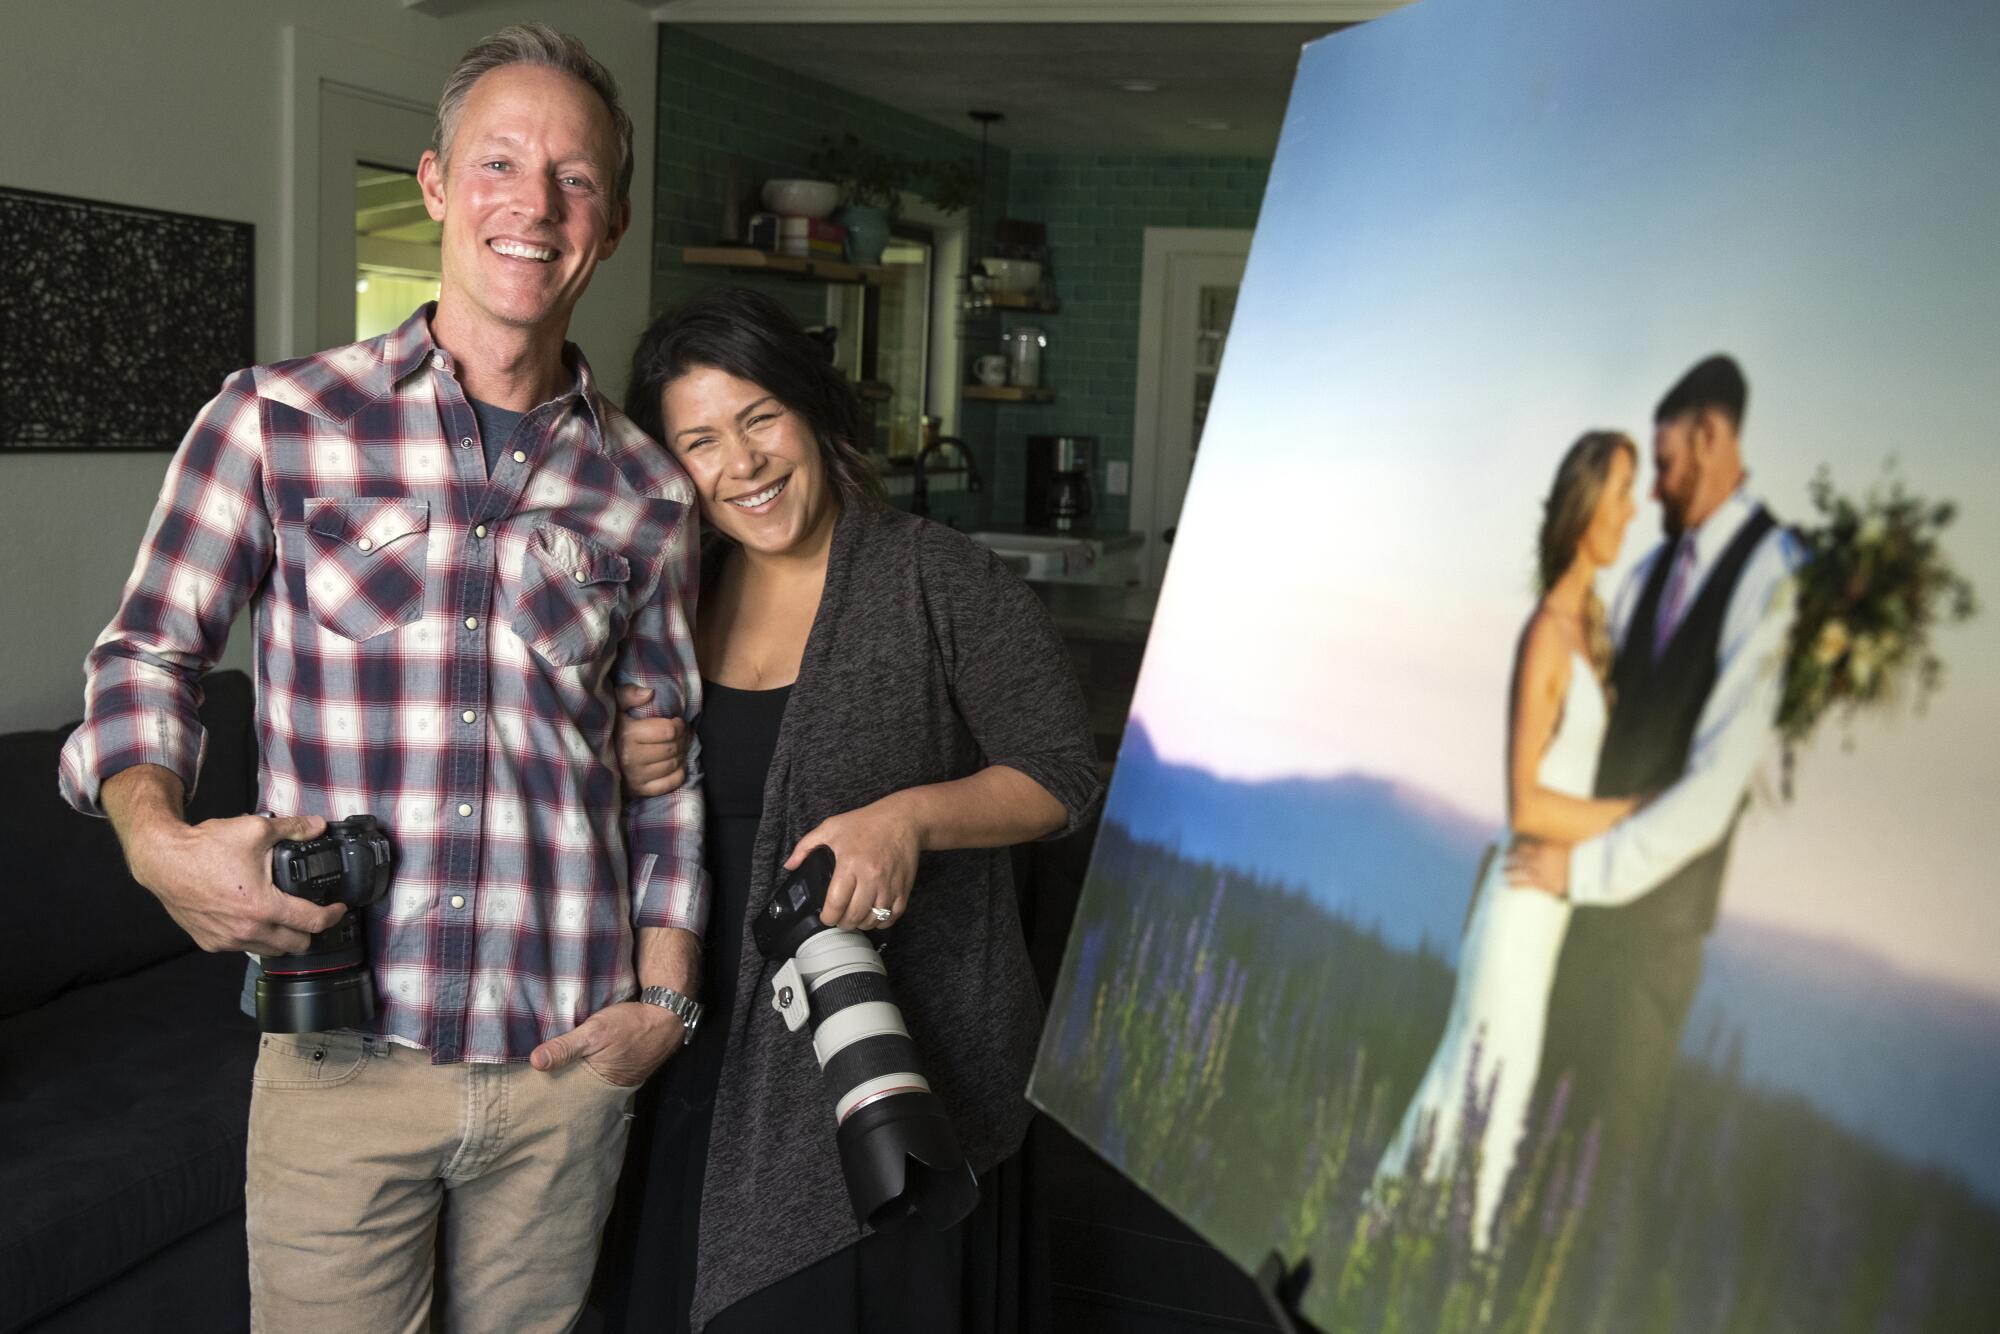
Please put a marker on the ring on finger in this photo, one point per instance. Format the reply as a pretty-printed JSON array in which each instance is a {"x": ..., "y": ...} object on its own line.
[{"x": 882, "y": 914}]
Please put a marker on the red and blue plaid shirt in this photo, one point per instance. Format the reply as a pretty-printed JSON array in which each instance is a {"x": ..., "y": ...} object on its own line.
[{"x": 438, "y": 649}]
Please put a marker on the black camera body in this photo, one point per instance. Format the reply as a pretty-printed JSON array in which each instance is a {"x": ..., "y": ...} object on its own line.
[
  {"x": 327, "y": 985},
  {"x": 898, "y": 1151}
]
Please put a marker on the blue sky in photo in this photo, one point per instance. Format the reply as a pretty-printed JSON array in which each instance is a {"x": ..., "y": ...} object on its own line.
[{"x": 1494, "y": 224}]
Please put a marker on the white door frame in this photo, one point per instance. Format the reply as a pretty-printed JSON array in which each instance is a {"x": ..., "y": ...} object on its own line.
[
  {"x": 312, "y": 61},
  {"x": 1162, "y": 246},
  {"x": 946, "y": 371}
]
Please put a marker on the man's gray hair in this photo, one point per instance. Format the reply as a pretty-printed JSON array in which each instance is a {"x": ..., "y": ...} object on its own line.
[{"x": 533, "y": 44}]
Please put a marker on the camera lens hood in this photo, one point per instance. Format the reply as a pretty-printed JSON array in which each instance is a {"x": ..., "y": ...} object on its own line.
[{"x": 903, "y": 1163}]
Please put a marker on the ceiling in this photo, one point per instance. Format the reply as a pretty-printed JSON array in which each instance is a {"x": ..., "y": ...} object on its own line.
[{"x": 1221, "y": 86}]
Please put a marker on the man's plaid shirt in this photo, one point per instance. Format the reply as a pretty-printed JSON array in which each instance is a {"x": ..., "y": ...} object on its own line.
[{"x": 438, "y": 650}]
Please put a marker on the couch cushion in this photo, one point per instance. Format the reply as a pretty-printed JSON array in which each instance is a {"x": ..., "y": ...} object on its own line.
[
  {"x": 70, "y": 913},
  {"x": 123, "y": 1111}
]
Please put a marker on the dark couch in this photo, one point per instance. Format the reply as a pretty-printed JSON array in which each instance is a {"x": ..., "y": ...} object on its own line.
[{"x": 124, "y": 1064}]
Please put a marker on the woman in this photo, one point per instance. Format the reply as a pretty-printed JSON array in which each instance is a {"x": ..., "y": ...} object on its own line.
[
  {"x": 881, "y": 685},
  {"x": 1492, "y": 1042}
]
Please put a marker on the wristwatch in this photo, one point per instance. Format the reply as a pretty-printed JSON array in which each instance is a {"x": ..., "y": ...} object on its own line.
[{"x": 686, "y": 1010}]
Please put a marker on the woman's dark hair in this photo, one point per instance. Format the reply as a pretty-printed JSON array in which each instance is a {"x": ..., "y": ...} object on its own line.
[{"x": 750, "y": 336}]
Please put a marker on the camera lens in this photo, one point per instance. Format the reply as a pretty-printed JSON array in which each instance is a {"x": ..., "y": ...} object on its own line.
[
  {"x": 329, "y": 986},
  {"x": 898, "y": 1150}
]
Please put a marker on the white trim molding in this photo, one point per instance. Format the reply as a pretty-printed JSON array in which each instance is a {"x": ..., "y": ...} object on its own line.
[
  {"x": 1162, "y": 246},
  {"x": 313, "y": 60},
  {"x": 1016, "y": 11}
]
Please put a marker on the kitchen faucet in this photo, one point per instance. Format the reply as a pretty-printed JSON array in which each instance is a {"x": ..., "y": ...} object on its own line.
[{"x": 920, "y": 490}]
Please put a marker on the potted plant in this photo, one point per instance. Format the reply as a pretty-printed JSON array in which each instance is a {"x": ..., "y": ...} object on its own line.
[{"x": 872, "y": 185}]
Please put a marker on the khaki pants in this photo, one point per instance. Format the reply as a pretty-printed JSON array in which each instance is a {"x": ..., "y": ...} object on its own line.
[{"x": 379, "y": 1183}]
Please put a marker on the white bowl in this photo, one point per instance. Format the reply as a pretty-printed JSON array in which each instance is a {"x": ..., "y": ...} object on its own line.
[
  {"x": 801, "y": 199},
  {"x": 1011, "y": 275}
]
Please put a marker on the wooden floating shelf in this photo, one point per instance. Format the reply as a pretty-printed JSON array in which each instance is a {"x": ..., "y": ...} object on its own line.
[
  {"x": 750, "y": 259},
  {"x": 1023, "y": 301},
  {"x": 1012, "y": 303},
  {"x": 1007, "y": 393}
]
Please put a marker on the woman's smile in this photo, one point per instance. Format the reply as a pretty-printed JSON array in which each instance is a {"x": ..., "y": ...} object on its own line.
[{"x": 761, "y": 502}]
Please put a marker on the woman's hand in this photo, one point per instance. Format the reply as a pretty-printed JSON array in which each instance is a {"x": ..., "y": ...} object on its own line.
[
  {"x": 874, "y": 863},
  {"x": 1538, "y": 865},
  {"x": 652, "y": 752}
]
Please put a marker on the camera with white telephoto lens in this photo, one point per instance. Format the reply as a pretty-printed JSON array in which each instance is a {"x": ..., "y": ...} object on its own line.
[{"x": 898, "y": 1150}]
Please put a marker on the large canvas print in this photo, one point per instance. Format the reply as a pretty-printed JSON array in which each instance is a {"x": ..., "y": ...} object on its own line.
[{"x": 1548, "y": 882}]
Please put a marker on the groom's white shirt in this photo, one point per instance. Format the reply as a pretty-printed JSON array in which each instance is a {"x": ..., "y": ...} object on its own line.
[{"x": 1687, "y": 819}]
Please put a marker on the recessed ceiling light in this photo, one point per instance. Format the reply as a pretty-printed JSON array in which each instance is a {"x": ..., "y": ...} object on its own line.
[
  {"x": 1209, "y": 124},
  {"x": 1138, "y": 86}
]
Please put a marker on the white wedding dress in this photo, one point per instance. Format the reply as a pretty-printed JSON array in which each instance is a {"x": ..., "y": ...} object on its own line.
[{"x": 1499, "y": 1009}]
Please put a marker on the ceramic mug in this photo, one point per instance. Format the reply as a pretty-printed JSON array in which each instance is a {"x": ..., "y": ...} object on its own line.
[{"x": 990, "y": 370}]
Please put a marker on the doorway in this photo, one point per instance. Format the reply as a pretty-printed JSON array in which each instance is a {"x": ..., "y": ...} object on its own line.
[
  {"x": 372, "y": 225},
  {"x": 1187, "y": 300},
  {"x": 397, "y": 249}
]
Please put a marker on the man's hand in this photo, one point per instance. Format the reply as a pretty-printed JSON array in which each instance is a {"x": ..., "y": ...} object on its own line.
[
  {"x": 215, "y": 880},
  {"x": 652, "y": 752},
  {"x": 874, "y": 864},
  {"x": 1533, "y": 864},
  {"x": 623, "y": 1043}
]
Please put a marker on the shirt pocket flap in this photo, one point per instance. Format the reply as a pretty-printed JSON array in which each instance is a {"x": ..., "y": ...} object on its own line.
[
  {"x": 367, "y": 525},
  {"x": 577, "y": 558}
]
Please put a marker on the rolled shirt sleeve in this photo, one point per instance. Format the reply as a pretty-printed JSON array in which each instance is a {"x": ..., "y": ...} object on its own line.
[
  {"x": 664, "y": 833},
  {"x": 1010, "y": 674},
  {"x": 206, "y": 550}
]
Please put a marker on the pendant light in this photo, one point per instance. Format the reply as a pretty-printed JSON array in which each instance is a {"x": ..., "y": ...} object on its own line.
[{"x": 972, "y": 280}]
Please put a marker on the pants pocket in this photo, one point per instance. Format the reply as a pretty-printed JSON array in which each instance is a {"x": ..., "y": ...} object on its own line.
[
  {"x": 309, "y": 1060},
  {"x": 601, "y": 1078}
]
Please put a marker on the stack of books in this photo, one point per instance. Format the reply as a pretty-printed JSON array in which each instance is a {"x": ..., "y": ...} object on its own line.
[{"x": 812, "y": 238}]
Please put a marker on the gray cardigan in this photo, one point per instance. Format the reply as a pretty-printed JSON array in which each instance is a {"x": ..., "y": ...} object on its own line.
[{"x": 927, "y": 661}]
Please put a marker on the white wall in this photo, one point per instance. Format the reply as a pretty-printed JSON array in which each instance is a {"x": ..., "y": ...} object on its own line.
[{"x": 183, "y": 106}]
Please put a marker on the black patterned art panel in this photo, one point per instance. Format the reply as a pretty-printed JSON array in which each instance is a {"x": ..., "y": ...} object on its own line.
[{"x": 116, "y": 323}]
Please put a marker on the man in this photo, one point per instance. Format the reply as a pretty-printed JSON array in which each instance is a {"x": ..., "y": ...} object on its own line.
[
  {"x": 1701, "y": 628},
  {"x": 455, "y": 548}
]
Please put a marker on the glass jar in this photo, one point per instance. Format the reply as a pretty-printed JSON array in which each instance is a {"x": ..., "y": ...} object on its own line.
[{"x": 1023, "y": 345}]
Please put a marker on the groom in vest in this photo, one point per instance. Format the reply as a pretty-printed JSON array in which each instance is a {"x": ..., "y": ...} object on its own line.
[{"x": 1700, "y": 629}]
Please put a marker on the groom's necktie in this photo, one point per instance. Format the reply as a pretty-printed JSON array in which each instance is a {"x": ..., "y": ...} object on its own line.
[{"x": 1674, "y": 601}]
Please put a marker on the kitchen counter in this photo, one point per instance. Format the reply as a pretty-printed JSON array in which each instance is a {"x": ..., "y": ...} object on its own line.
[
  {"x": 1104, "y": 541},
  {"x": 1098, "y": 612},
  {"x": 1104, "y": 628}
]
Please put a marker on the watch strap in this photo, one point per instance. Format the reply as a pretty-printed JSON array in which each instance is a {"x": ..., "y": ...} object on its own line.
[{"x": 684, "y": 1008}]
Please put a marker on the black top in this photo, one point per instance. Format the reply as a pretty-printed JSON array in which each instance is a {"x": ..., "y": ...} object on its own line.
[{"x": 738, "y": 731}]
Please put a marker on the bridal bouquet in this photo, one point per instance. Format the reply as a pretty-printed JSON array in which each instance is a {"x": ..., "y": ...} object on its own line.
[{"x": 1874, "y": 583}]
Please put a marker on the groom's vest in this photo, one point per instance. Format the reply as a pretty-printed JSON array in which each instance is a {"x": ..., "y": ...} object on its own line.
[{"x": 1655, "y": 709}]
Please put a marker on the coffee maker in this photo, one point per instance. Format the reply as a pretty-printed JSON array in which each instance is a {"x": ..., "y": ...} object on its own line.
[{"x": 1059, "y": 481}]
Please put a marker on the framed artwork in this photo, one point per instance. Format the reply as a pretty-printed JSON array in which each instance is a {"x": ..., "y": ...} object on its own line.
[{"x": 120, "y": 321}]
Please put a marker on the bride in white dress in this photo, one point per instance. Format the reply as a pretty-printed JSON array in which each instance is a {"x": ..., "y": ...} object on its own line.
[{"x": 1507, "y": 960}]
